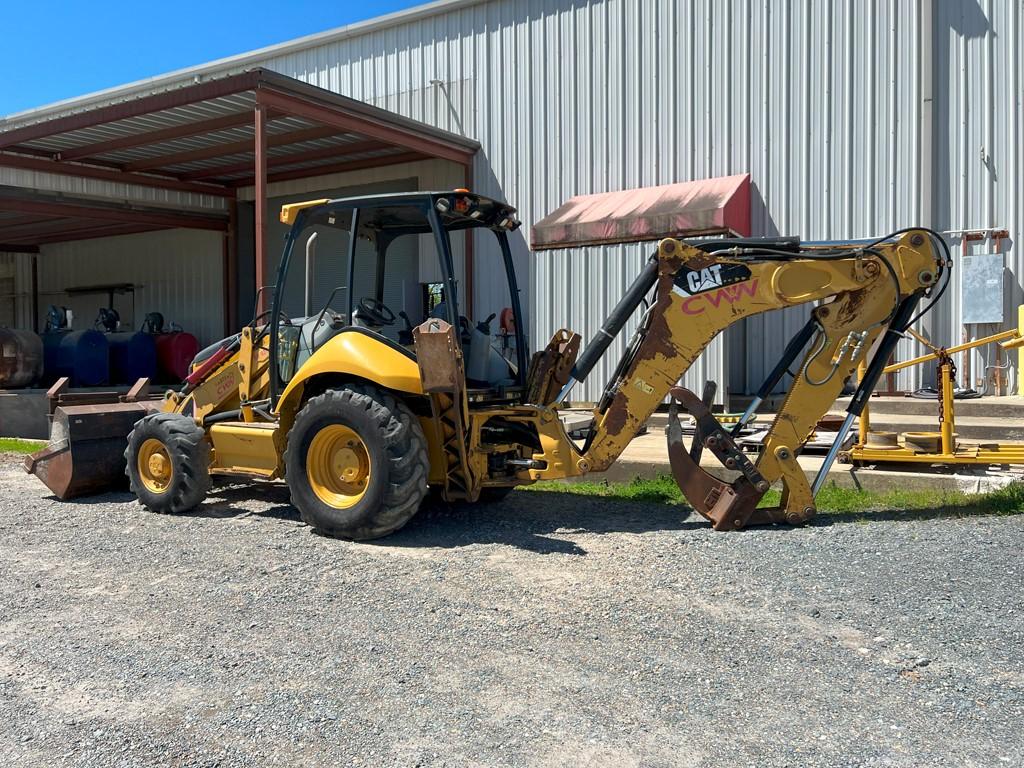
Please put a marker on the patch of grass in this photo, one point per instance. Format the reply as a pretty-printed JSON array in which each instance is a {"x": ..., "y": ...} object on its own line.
[
  {"x": 842, "y": 501},
  {"x": 16, "y": 445}
]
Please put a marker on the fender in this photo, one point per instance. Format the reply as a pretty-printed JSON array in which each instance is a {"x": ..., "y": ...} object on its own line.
[{"x": 358, "y": 354}]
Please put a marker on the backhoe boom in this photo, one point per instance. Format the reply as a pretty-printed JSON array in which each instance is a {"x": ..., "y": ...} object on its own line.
[{"x": 864, "y": 291}]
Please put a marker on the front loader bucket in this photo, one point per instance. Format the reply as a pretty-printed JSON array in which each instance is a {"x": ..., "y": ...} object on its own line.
[{"x": 86, "y": 451}]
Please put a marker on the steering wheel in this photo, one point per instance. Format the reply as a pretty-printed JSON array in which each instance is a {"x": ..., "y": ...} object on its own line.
[{"x": 377, "y": 311}]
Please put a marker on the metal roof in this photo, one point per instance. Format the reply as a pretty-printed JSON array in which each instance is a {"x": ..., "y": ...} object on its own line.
[
  {"x": 227, "y": 65},
  {"x": 203, "y": 137},
  {"x": 29, "y": 220}
]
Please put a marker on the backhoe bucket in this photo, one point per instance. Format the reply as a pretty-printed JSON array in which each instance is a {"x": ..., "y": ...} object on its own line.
[{"x": 86, "y": 451}]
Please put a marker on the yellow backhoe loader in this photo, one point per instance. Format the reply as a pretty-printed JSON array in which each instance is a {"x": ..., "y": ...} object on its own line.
[{"x": 362, "y": 419}]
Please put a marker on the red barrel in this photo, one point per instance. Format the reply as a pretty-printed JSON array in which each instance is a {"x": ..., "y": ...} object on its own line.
[{"x": 174, "y": 354}]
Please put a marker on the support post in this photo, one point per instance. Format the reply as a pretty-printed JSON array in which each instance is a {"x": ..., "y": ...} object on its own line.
[
  {"x": 35, "y": 292},
  {"x": 231, "y": 270},
  {"x": 1020, "y": 351},
  {"x": 260, "y": 124},
  {"x": 946, "y": 393}
]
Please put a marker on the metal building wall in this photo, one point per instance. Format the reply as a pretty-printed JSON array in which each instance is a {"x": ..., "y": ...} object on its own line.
[
  {"x": 106, "y": 190},
  {"x": 178, "y": 271},
  {"x": 18, "y": 266},
  {"x": 824, "y": 103},
  {"x": 573, "y": 97},
  {"x": 979, "y": 128}
]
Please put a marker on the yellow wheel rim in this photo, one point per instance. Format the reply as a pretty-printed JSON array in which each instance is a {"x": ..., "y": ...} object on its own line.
[
  {"x": 338, "y": 466},
  {"x": 155, "y": 468}
]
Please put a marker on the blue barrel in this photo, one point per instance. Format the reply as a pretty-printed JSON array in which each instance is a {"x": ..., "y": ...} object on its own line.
[
  {"x": 132, "y": 356},
  {"x": 82, "y": 356}
]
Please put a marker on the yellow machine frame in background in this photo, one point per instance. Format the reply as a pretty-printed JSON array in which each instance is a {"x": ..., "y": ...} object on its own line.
[{"x": 951, "y": 452}]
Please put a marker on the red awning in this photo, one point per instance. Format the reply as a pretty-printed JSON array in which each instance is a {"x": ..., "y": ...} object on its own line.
[{"x": 703, "y": 207}]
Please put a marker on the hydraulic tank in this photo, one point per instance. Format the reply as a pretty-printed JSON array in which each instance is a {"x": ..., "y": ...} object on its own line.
[
  {"x": 174, "y": 353},
  {"x": 132, "y": 356},
  {"x": 21, "y": 358},
  {"x": 82, "y": 356}
]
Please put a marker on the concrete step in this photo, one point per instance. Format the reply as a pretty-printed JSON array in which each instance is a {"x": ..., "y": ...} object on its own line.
[{"x": 986, "y": 427}]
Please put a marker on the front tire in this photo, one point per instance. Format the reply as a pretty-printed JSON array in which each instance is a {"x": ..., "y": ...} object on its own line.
[
  {"x": 168, "y": 463},
  {"x": 356, "y": 463}
]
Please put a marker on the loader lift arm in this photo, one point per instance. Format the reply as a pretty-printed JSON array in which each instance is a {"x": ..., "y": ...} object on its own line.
[{"x": 868, "y": 293}]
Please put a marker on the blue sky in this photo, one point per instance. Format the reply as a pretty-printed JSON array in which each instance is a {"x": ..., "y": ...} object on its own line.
[{"x": 60, "y": 49}]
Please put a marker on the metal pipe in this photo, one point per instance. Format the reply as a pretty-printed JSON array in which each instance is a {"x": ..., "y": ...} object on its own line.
[
  {"x": 830, "y": 459},
  {"x": 310, "y": 255},
  {"x": 1001, "y": 336}
]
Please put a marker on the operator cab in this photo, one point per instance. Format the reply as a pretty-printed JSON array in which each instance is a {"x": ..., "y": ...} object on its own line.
[{"x": 382, "y": 265}]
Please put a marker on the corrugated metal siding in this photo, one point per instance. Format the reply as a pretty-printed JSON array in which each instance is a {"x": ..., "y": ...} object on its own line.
[
  {"x": 18, "y": 305},
  {"x": 178, "y": 273},
  {"x": 574, "y": 97},
  {"x": 105, "y": 190},
  {"x": 820, "y": 101},
  {"x": 979, "y": 183}
]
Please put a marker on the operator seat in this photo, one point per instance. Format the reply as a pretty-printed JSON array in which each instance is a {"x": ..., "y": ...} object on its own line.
[{"x": 315, "y": 331}]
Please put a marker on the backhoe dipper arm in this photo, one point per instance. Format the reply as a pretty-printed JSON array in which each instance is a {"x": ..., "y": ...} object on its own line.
[{"x": 699, "y": 294}]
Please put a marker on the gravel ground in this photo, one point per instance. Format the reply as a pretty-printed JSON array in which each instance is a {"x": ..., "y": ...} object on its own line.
[{"x": 546, "y": 630}]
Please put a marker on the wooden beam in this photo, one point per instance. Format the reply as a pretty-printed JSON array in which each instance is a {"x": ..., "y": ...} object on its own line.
[
  {"x": 229, "y": 148},
  {"x": 338, "y": 150},
  {"x": 9, "y": 160}
]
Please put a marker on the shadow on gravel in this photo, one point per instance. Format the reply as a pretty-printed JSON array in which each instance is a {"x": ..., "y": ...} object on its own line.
[
  {"x": 910, "y": 515},
  {"x": 531, "y": 520},
  {"x": 110, "y": 497},
  {"x": 233, "y": 500},
  {"x": 526, "y": 520}
]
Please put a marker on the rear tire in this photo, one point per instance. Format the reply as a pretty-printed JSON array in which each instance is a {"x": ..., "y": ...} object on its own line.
[
  {"x": 168, "y": 462},
  {"x": 356, "y": 463}
]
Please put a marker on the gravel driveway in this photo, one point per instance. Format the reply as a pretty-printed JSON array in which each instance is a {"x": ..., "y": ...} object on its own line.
[{"x": 543, "y": 631}]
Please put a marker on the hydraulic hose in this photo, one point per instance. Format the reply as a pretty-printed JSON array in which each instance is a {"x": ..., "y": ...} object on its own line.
[
  {"x": 794, "y": 348},
  {"x": 606, "y": 335}
]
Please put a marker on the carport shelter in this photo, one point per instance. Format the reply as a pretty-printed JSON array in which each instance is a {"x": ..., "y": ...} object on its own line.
[{"x": 194, "y": 163}]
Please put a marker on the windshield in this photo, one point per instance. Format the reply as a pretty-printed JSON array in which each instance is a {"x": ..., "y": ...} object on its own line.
[{"x": 318, "y": 268}]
